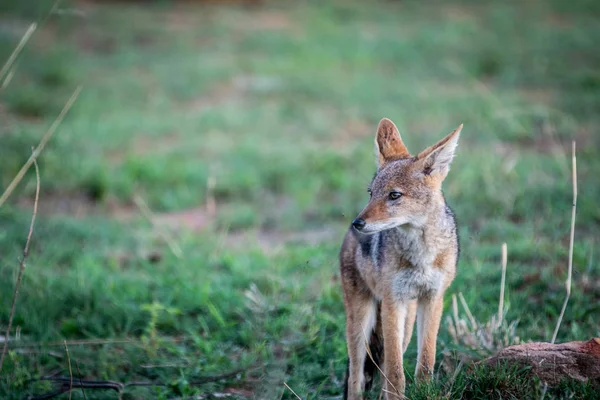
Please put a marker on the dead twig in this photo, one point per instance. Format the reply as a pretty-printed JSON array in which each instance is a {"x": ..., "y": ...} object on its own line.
[
  {"x": 22, "y": 264},
  {"x": 80, "y": 377},
  {"x": 66, "y": 383},
  {"x": 571, "y": 239},
  {"x": 11, "y": 187}
]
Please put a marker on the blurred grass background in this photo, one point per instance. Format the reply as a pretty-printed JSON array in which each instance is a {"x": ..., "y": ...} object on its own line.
[{"x": 267, "y": 110}]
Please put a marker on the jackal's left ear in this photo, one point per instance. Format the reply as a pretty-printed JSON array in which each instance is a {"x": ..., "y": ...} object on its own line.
[
  {"x": 436, "y": 160},
  {"x": 388, "y": 143}
]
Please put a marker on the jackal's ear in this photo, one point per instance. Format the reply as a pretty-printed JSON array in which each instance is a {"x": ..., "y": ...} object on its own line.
[
  {"x": 388, "y": 143},
  {"x": 436, "y": 160}
]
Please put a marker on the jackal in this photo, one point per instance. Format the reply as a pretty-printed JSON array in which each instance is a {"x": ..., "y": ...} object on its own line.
[{"x": 397, "y": 259}]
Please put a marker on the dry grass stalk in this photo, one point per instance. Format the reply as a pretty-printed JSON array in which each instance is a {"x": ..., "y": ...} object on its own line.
[
  {"x": 479, "y": 339},
  {"x": 22, "y": 264},
  {"x": 571, "y": 239},
  {"x": 291, "y": 390},
  {"x": 463, "y": 302},
  {"x": 39, "y": 148},
  {"x": 396, "y": 394},
  {"x": 175, "y": 249},
  {"x": 501, "y": 301},
  {"x": 487, "y": 338},
  {"x": 17, "y": 50}
]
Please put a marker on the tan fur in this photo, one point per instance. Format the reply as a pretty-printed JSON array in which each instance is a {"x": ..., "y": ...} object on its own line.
[{"x": 401, "y": 261}]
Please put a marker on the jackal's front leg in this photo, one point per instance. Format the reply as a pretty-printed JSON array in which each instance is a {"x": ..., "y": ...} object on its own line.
[
  {"x": 393, "y": 315},
  {"x": 429, "y": 314},
  {"x": 411, "y": 315},
  {"x": 361, "y": 314}
]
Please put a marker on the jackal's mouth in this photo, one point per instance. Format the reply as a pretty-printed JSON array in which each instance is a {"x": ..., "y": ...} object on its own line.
[{"x": 372, "y": 227}]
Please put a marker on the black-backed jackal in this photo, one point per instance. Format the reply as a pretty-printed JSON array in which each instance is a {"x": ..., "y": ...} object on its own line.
[{"x": 397, "y": 260}]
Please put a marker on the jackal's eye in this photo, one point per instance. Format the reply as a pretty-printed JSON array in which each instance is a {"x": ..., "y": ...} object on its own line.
[
  {"x": 395, "y": 195},
  {"x": 370, "y": 192}
]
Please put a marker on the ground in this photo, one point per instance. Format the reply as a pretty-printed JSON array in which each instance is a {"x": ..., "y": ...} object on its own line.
[{"x": 195, "y": 197}]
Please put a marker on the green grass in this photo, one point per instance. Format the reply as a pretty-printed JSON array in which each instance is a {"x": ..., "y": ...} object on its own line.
[{"x": 278, "y": 105}]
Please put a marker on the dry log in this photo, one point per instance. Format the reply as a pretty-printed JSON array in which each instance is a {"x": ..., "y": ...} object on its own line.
[{"x": 553, "y": 363}]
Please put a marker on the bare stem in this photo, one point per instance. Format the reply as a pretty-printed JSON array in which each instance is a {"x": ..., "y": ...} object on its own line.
[
  {"x": 571, "y": 239},
  {"x": 22, "y": 263}
]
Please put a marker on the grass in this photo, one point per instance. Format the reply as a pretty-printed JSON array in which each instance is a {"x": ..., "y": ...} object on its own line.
[{"x": 277, "y": 105}]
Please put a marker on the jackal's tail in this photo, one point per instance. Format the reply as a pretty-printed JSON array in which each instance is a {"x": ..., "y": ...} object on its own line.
[{"x": 376, "y": 352}]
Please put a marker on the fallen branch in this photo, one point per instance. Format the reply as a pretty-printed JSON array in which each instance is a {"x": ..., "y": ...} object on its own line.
[
  {"x": 22, "y": 264},
  {"x": 553, "y": 363}
]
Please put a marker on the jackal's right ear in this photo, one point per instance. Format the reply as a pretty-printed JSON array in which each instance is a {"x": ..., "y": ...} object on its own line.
[{"x": 388, "y": 143}]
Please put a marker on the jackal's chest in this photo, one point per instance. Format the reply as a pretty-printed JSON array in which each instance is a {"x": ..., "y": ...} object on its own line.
[{"x": 414, "y": 282}]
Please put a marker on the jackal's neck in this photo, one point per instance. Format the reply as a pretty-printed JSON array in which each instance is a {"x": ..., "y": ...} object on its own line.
[
  {"x": 418, "y": 244},
  {"x": 440, "y": 218}
]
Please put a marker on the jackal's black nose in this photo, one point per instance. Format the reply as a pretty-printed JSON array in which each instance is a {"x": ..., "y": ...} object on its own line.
[{"x": 359, "y": 224}]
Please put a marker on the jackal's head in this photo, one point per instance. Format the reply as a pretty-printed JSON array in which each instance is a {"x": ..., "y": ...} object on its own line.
[{"x": 407, "y": 189}]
